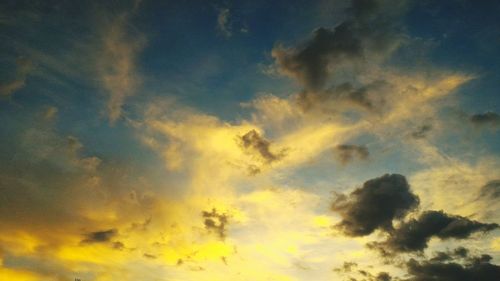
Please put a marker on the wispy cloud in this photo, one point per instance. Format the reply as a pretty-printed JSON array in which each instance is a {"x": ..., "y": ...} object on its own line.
[
  {"x": 116, "y": 62},
  {"x": 23, "y": 67}
]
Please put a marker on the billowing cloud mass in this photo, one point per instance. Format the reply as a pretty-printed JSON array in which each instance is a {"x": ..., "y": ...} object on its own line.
[
  {"x": 348, "y": 152},
  {"x": 375, "y": 205},
  {"x": 372, "y": 30},
  {"x": 216, "y": 222},
  {"x": 415, "y": 234}
]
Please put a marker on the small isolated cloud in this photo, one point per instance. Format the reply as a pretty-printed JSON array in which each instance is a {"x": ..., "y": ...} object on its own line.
[
  {"x": 254, "y": 141},
  {"x": 422, "y": 131},
  {"x": 369, "y": 97},
  {"x": 100, "y": 236},
  {"x": 488, "y": 118},
  {"x": 50, "y": 113},
  {"x": 216, "y": 222},
  {"x": 375, "y": 205},
  {"x": 346, "y": 153},
  {"x": 23, "y": 67},
  {"x": 415, "y": 234},
  {"x": 223, "y": 23}
]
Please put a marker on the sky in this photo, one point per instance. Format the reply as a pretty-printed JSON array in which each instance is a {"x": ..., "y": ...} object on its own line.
[{"x": 352, "y": 140}]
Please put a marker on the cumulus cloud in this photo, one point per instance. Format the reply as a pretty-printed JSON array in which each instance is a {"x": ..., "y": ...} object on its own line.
[
  {"x": 421, "y": 132},
  {"x": 375, "y": 205},
  {"x": 347, "y": 152},
  {"x": 369, "y": 97},
  {"x": 371, "y": 31},
  {"x": 23, "y": 67},
  {"x": 415, "y": 234}
]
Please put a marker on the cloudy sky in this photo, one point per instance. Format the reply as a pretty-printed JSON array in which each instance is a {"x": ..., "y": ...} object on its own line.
[{"x": 250, "y": 140}]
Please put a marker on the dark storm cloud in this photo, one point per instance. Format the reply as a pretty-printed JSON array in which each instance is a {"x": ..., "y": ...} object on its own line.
[
  {"x": 347, "y": 152},
  {"x": 216, "y": 222},
  {"x": 479, "y": 269},
  {"x": 491, "y": 190},
  {"x": 416, "y": 233},
  {"x": 100, "y": 236},
  {"x": 375, "y": 205},
  {"x": 488, "y": 118},
  {"x": 372, "y": 30},
  {"x": 253, "y": 140}
]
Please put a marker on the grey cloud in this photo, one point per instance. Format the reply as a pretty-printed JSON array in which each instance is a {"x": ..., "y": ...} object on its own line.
[
  {"x": 372, "y": 30},
  {"x": 347, "y": 152},
  {"x": 215, "y": 221},
  {"x": 253, "y": 140},
  {"x": 416, "y": 233},
  {"x": 479, "y": 269},
  {"x": 369, "y": 97},
  {"x": 421, "y": 132},
  {"x": 375, "y": 205},
  {"x": 100, "y": 236},
  {"x": 487, "y": 118},
  {"x": 310, "y": 64},
  {"x": 491, "y": 190}
]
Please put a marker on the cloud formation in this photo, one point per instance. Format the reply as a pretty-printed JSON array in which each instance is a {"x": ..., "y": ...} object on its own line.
[
  {"x": 216, "y": 222},
  {"x": 116, "y": 62},
  {"x": 100, "y": 236},
  {"x": 372, "y": 30},
  {"x": 375, "y": 205},
  {"x": 487, "y": 118},
  {"x": 490, "y": 190},
  {"x": 347, "y": 152},
  {"x": 415, "y": 234},
  {"x": 254, "y": 141},
  {"x": 480, "y": 269},
  {"x": 23, "y": 67}
]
